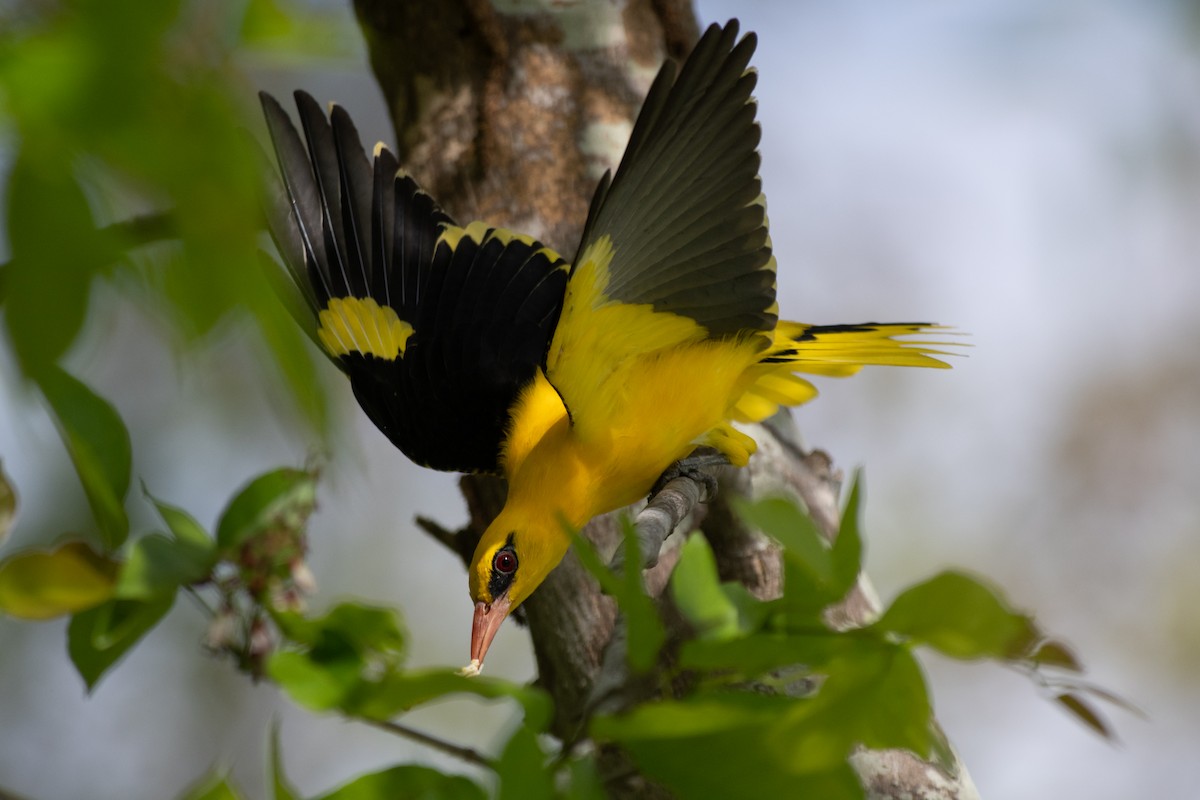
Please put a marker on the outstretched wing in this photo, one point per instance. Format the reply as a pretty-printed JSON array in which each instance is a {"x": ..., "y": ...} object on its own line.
[
  {"x": 438, "y": 327},
  {"x": 675, "y": 249}
]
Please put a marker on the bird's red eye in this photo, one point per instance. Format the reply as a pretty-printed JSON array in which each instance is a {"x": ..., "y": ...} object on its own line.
[{"x": 505, "y": 562}]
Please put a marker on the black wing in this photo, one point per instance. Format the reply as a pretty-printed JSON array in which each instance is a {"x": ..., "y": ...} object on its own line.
[
  {"x": 438, "y": 327},
  {"x": 685, "y": 215}
]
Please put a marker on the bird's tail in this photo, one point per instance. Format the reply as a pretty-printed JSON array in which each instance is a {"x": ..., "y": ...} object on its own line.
[{"x": 835, "y": 351}]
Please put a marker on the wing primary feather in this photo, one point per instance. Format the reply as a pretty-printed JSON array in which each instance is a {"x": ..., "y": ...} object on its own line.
[
  {"x": 286, "y": 231},
  {"x": 323, "y": 152},
  {"x": 707, "y": 132},
  {"x": 383, "y": 222},
  {"x": 700, "y": 79},
  {"x": 302, "y": 192},
  {"x": 355, "y": 179}
]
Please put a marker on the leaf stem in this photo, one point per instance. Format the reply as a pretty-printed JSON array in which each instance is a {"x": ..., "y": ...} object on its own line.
[{"x": 449, "y": 748}]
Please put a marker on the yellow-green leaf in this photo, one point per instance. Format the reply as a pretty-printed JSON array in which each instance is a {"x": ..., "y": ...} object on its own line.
[
  {"x": 98, "y": 444},
  {"x": 40, "y": 585}
]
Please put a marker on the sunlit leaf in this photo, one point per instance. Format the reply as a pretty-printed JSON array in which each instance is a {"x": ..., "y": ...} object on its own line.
[
  {"x": 180, "y": 523},
  {"x": 42, "y": 585},
  {"x": 98, "y": 444},
  {"x": 691, "y": 746},
  {"x": 8, "y": 503},
  {"x": 99, "y": 637},
  {"x": 962, "y": 618},
  {"x": 522, "y": 769},
  {"x": 319, "y": 686},
  {"x": 283, "y": 498},
  {"x": 409, "y": 782},
  {"x": 159, "y": 565},
  {"x": 696, "y": 590}
]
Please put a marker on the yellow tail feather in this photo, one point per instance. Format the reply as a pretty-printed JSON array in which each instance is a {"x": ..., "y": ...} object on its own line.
[{"x": 834, "y": 351}]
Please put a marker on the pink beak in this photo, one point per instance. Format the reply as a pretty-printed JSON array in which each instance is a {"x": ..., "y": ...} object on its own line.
[{"x": 484, "y": 626}]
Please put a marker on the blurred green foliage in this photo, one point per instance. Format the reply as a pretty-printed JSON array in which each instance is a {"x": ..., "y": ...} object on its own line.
[
  {"x": 124, "y": 122},
  {"x": 126, "y": 129}
]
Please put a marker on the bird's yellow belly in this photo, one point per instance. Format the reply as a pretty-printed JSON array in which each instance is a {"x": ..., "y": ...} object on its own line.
[{"x": 664, "y": 404}]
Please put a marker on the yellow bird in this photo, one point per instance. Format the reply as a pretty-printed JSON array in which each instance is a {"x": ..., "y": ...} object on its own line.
[{"x": 480, "y": 350}]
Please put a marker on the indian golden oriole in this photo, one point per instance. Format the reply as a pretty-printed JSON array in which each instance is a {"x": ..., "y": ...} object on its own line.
[{"x": 477, "y": 349}]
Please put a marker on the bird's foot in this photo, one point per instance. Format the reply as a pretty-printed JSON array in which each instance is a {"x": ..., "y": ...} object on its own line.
[{"x": 698, "y": 467}]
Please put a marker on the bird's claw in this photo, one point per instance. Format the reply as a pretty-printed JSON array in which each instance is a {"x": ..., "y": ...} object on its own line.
[{"x": 696, "y": 467}]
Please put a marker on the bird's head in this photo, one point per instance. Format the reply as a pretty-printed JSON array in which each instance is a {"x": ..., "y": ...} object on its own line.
[{"x": 512, "y": 559}]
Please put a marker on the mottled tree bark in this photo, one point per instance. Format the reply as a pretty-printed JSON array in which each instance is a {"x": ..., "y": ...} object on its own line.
[{"x": 510, "y": 112}]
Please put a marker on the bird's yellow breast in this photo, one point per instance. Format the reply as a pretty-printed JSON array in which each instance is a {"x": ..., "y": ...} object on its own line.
[{"x": 659, "y": 407}]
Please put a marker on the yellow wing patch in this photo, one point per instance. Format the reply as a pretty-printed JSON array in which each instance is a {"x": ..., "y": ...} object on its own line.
[{"x": 360, "y": 325}]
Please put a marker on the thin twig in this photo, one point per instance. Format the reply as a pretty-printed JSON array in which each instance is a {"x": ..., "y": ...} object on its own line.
[
  {"x": 444, "y": 535},
  {"x": 449, "y": 748}
]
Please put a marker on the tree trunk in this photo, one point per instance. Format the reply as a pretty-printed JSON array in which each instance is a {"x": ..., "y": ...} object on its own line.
[{"x": 511, "y": 117}]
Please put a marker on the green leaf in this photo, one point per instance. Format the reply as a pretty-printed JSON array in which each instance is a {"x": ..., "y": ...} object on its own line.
[
  {"x": 1084, "y": 712},
  {"x": 961, "y": 617},
  {"x": 696, "y": 590},
  {"x": 523, "y": 770},
  {"x": 320, "y": 686},
  {"x": 410, "y": 782},
  {"x": 212, "y": 787},
  {"x": 181, "y": 524},
  {"x": 355, "y": 628},
  {"x": 8, "y": 503},
  {"x": 875, "y": 696},
  {"x": 646, "y": 634},
  {"x": 55, "y": 252},
  {"x": 42, "y": 585},
  {"x": 99, "y": 637},
  {"x": 344, "y": 650},
  {"x": 848, "y": 546},
  {"x": 350, "y": 659},
  {"x": 585, "y": 782},
  {"x": 158, "y": 565},
  {"x": 98, "y": 444},
  {"x": 758, "y": 653},
  {"x": 691, "y": 745},
  {"x": 1053, "y": 653},
  {"x": 283, "y": 498},
  {"x": 403, "y": 691},
  {"x": 809, "y": 580}
]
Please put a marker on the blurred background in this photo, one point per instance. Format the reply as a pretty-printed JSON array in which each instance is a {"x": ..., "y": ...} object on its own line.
[{"x": 1026, "y": 171}]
